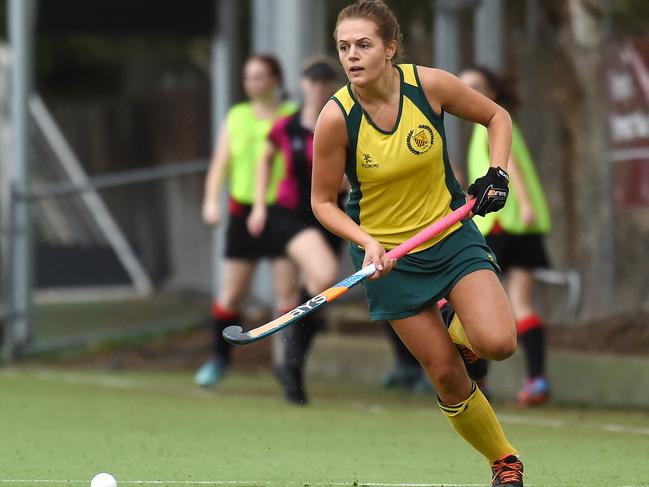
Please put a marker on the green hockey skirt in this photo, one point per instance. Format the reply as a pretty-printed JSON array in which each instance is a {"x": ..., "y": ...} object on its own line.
[{"x": 422, "y": 278}]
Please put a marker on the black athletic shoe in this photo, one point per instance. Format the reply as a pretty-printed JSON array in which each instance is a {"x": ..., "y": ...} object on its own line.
[
  {"x": 507, "y": 472},
  {"x": 293, "y": 384},
  {"x": 476, "y": 367}
]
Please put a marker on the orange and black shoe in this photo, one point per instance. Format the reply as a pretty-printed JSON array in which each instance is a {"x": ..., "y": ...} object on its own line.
[
  {"x": 476, "y": 367},
  {"x": 507, "y": 472}
]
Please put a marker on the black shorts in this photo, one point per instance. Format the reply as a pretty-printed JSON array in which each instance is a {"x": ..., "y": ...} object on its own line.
[
  {"x": 520, "y": 251},
  {"x": 285, "y": 224},
  {"x": 239, "y": 244}
]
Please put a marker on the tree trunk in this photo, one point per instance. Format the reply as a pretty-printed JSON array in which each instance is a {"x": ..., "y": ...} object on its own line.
[{"x": 592, "y": 190}]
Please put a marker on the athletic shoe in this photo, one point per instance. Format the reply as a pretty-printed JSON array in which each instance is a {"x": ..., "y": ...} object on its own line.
[
  {"x": 211, "y": 373},
  {"x": 476, "y": 367},
  {"x": 507, "y": 472},
  {"x": 535, "y": 392},
  {"x": 293, "y": 384},
  {"x": 402, "y": 377}
]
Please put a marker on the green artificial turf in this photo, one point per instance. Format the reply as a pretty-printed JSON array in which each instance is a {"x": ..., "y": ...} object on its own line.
[{"x": 158, "y": 429}]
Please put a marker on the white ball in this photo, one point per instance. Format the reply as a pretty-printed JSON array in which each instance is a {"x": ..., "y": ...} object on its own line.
[{"x": 103, "y": 480}]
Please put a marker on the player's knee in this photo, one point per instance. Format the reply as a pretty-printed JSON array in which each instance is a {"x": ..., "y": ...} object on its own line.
[
  {"x": 230, "y": 301},
  {"x": 504, "y": 350},
  {"x": 328, "y": 279},
  {"x": 324, "y": 279},
  {"x": 446, "y": 377},
  {"x": 497, "y": 347}
]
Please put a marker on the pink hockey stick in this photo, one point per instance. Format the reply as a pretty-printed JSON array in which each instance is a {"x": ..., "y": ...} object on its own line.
[{"x": 235, "y": 334}]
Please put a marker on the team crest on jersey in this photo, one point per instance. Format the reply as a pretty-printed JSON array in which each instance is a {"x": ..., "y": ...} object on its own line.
[{"x": 420, "y": 139}]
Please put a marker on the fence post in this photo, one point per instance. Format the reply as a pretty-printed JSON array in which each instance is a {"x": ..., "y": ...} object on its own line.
[
  {"x": 20, "y": 40},
  {"x": 5, "y": 199},
  {"x": 447, "y": 57},
  {"x": 488, "y": 21}
]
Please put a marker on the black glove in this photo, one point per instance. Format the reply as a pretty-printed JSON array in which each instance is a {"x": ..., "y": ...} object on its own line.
[{"x": 490, "y": 191}]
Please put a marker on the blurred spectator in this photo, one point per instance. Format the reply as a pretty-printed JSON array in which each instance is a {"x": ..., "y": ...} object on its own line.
[
  {"x": 239, "y": 147},
  {"x": 290, "y": 220},
  {"x": 515, "y": 233}
]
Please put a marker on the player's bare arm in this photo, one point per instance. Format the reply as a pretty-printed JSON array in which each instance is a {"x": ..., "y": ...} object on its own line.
[
  {"x": 257, "y": 219},
  {"x": 446, "y": 92},
  {"x": 215, "y": 178},
  {"x": 329, "y": 152}
]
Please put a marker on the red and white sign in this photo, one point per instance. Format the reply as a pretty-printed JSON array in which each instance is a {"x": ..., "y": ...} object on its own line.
[{"x": 627, "y": 79}]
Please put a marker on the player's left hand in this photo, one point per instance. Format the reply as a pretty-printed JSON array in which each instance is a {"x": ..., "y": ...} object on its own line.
[{"x": 490, "y": 191}]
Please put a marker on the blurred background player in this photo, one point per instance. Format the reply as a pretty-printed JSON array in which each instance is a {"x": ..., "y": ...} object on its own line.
[
  {"x": 515, "y": 233},
  {"x": 290, "y": 220},
  {"x": 239, "y": 147}
]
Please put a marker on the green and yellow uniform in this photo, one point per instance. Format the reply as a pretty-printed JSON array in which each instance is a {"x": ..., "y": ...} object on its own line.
[
  {"x": 247, "y": 138},
  {"x": 402, "y": 182}
]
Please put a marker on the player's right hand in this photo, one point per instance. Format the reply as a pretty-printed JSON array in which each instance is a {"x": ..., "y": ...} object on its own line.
[
  {"x": 257, "y": 220},
  {"x": 211, "y": 213},
  {"x": 375, "y": 254}
]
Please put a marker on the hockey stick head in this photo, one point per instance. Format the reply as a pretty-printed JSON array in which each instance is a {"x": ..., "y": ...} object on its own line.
[{"x": 235, "y": 335}]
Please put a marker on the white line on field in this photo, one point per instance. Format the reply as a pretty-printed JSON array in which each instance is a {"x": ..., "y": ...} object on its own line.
[
  {"x": 250, "y": 484},
  {"x": 377, "y": 484},
  {"x": 141, "y": 482},
  {"x": 126, "y": 384},
  {"x": 144, "y": 482},
  {"x": 269, "y": 483},
  {"x": 618, "y": 428},
  {"x": 119, "y": 383},
  {"x": 530, "y": 421},
  {"x": 192, "y": 482},
  {"x": 557, "y": 423}
]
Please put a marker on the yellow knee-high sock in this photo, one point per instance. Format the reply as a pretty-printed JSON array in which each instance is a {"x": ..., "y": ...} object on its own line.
[
  {"x": 458, "y": 335},
  {"x": 476, "y": 421}
]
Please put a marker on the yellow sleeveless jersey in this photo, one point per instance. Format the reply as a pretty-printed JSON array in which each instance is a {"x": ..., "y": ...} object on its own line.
[{"x": 401, "y": 180}]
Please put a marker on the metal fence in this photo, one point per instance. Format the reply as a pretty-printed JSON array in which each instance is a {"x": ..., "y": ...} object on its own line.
[{"x": 64, "y": 210}]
